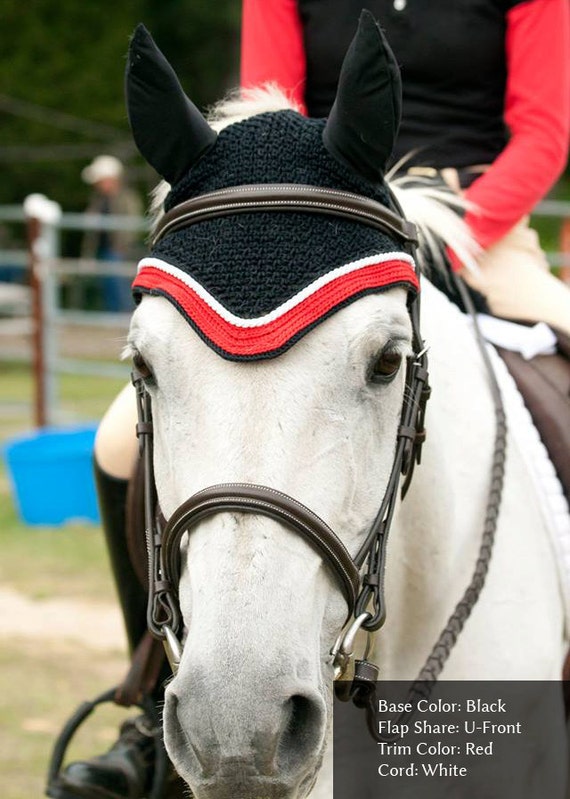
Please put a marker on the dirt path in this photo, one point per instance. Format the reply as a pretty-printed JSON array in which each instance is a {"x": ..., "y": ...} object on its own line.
[{"x": 95, "y": 626}]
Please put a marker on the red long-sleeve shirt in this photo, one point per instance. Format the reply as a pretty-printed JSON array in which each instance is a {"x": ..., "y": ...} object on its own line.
[{"x": 466, "y": 71}]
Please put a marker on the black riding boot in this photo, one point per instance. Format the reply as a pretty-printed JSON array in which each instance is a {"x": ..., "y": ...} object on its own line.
[
  {"x": 112, "y": 495},
  {"x": 126, "y": 771}
]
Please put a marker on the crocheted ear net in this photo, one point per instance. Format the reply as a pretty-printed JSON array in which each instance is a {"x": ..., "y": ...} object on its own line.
[{"x": 251, "y": 264}]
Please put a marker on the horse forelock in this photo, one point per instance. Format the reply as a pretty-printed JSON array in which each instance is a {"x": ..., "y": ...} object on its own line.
[
  {"x": 235, "y": 107},
  {"x": 245, "y": 103}
]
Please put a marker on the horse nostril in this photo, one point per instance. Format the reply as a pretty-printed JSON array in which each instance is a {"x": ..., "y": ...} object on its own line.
[
  {"x": 303, "y": 730},
  {"x": 180, "y": 742}
]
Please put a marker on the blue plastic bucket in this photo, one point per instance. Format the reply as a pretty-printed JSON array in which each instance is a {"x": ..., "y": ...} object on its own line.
[{"x": 52, "y": 475}]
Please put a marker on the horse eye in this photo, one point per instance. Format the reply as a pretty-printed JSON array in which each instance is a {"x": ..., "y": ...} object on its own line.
[
  {"x": 384, "y": 367},
  {"x": 142, "y": 367}
]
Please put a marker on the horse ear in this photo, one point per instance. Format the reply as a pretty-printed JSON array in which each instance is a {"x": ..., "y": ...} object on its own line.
[
  {"x": 364, "y": 120},
  {"x": 168, "y": 129}
]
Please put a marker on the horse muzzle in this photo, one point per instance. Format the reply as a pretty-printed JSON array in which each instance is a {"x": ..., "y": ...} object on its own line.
[{"x": 271, "y": 748}]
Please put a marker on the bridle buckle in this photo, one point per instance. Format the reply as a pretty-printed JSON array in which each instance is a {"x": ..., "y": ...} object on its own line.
[{"x": 342, "y": 651}]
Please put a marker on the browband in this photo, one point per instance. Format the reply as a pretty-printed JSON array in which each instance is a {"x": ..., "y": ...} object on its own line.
[{"x": 295, "y": 197}]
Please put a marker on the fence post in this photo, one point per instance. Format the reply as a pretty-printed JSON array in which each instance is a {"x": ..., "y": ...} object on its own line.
[
  {"x": 565, "y": 249},
  {"x": 43, "y": 217}
]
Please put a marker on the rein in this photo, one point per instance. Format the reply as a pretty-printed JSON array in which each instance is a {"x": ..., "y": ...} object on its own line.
[
  {"x": 362, "y": 691},
  {"x": 364, "y": 593}
]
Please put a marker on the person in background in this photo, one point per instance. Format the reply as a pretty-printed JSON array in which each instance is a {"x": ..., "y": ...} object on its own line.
[
  {"x": 486, "y": 107},
  {"x": 111, "y": 196}
]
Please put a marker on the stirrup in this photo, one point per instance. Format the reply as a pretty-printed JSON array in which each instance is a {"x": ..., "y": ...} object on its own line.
[{"x": 76, "y": 720}]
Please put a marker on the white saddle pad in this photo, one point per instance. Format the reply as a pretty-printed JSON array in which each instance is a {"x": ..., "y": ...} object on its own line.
[{"x": 552, "y": 501}]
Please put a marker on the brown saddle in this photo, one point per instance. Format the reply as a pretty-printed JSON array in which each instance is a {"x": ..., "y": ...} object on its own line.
[{"x": 544, "y": 383}]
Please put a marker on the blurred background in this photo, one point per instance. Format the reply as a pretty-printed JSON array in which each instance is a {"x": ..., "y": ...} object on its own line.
[
  {"x": 63, "y": 320},
  {"x": 61, "y": 82},
  {"x": 61, "y": 106}
]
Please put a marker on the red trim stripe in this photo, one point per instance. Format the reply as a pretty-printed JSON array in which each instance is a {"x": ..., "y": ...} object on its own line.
[{"x": 251, "y": 341}]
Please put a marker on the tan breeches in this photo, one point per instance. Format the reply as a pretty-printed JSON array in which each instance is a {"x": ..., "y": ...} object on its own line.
[
  {"x": 116, "y": 445},
  {"x": 516, "y": 280}
]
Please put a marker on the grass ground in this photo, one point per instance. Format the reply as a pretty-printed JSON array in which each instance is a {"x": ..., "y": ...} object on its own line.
[
  {"x": 42, "y": 685},
  {"x": 45, "y": 679}
]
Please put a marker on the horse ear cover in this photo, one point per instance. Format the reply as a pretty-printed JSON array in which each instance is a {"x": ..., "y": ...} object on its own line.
[
  {"x": 365, "y": 117},
  {"x": 168, "y": 129}
]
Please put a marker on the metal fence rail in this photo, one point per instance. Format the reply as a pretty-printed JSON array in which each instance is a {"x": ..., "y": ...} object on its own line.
[{"x": 31, "y": 308}]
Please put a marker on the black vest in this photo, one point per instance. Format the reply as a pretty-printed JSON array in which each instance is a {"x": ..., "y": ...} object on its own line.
[{"x": 452, "y": 57}]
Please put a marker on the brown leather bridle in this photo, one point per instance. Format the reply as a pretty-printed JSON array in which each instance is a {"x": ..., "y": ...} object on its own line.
[
  {"x": 164, "y": 538},
  {"x": 364, "y": 593}
]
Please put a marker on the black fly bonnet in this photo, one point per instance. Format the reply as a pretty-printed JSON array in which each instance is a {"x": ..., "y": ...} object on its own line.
[{"x": 252, "y": 286}]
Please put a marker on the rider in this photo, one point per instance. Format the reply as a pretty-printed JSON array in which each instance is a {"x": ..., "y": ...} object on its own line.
[
  {"x": 467, "y": 69},
  {"x": 465, "y": 73}
]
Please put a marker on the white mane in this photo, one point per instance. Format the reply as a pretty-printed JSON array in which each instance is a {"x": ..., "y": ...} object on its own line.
[
  {"x": 435, "y": 211},
  {"x": 246, "y": 103}
]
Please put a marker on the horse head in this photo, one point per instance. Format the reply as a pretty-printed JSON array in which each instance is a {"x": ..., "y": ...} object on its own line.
[{"x": 271, "y": 342}]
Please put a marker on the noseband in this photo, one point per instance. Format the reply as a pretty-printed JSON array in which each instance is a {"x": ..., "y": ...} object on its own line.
[{"x": 364, "y": 593}]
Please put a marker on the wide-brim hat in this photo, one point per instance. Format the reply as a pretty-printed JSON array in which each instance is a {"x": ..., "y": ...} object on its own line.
[{"x": 103, "y": 166}]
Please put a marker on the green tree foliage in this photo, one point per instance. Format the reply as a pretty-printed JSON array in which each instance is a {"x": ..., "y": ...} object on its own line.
[
  {"x": 64, "y": 58},
  {"x": 200, "y": 38}
]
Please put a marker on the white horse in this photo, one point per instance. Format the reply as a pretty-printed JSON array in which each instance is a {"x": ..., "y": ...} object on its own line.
[{"x": 248, "y": 714}]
